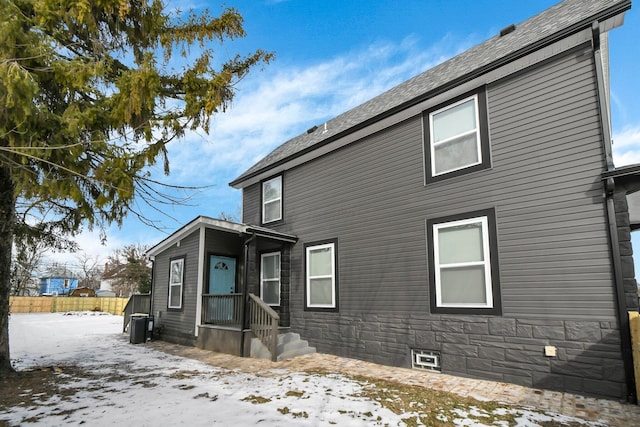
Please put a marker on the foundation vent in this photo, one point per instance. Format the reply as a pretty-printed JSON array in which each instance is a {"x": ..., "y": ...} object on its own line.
[{"x": 425, "y": 359}]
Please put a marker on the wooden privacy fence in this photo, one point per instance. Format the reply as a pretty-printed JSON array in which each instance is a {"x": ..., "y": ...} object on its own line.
[
  {"x": 634, "y": 322},
  {"x": 62, "y": 304}
]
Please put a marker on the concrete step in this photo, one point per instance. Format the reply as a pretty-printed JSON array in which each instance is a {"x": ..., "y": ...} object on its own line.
[
  {"x": 295, "y": 353},
  {"x": 289, "y": 345},
  {"x": 288, "y": 337},
  {"x": 259, "y": 350}
]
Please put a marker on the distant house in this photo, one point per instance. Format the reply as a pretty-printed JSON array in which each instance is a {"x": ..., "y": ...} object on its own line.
[
  {"x": 111, "y": 276},
  {"x": 82, "y": 292},
  {"x": 103, "y": 293},
  {"x": 107, "y": 280},
  {"x": 57, "y": 285},
  {"x": 469, "y": 221}
]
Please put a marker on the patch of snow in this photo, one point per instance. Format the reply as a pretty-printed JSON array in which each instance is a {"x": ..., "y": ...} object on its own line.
[
  {"x": 134, "y": 385},
  {"x": 126, "y": 384}
]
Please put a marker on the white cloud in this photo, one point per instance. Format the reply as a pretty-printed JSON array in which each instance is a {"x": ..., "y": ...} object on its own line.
[
  {"x": 271, "y": 107},
  {"x": 280, "y": 103},
  {"x": 626, "y": 146}
]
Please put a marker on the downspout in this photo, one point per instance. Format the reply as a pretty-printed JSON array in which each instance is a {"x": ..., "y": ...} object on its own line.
[
  {"x": 153, "y": 273},
  {"x": 245, "y": 289},
  {"x": 623, "y": 316}
]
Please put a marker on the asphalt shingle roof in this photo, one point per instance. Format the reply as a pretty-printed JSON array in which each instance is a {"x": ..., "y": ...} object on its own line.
[{"x": 562, "y": 19}]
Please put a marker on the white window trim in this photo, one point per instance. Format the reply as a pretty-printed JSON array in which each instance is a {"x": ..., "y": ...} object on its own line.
[
  {"x": 332, "y": 276},
  {"x": 176, "y": 285},
  {"x": 262, "y": 279},
  {"x": 486, "y": 255},
  {"x": 432, "y": 144},
  {"x": 266, "y": 202}
]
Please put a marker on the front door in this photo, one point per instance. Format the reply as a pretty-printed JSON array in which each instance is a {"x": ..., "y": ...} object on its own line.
[
  {"x": 222, "y": 275},
  {"x": 222, "y": 283}
]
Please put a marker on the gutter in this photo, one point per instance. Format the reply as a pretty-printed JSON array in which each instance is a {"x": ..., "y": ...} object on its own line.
[
  {"x": 609, "y": 187},
  {"x": 539, "y": 44}
]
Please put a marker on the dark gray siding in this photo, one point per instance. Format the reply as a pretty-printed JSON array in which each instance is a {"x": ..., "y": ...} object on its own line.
[
  {"x": 626, "y": 251},
  {"x": 555, "y": 266},
  {"x": 544, "y": 184},
  {"x": 547, "y": 151},
  {"x": 251, "y": 205},
  {"x": 178, "y": 326}
]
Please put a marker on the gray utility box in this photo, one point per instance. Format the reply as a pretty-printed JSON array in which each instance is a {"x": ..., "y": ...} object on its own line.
[{"x": 141, "y": 328}]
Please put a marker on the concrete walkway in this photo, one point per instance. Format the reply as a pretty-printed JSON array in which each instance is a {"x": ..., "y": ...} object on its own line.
[{"x": 607, "y": 412}]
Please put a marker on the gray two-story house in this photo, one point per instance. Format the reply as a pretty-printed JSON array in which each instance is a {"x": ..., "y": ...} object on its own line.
[{"x": 469, "y": 221}]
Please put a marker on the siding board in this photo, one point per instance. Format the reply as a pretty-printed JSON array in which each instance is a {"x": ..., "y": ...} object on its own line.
[
  {"x": 180, "y": 323},
  {"x": 553, "y": 251},
  {"x": 545, "y": 147}
]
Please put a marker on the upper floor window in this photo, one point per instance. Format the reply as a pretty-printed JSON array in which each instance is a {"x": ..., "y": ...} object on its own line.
[
  {"x": 457, "y": 137},
  {"x": 321, "y": 277},
  {"x": 272, "y": 200},
  {"x": 463, "y": 264},
  {"x": 176, "y": 279},
  {"x": 270, "y": 278}
]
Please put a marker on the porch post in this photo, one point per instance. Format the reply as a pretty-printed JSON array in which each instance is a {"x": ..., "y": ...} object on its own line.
[
  {"x": 200, "y": 282},
  {"x": 285, "y": 285},
  {"x": 245, "y": 287}
]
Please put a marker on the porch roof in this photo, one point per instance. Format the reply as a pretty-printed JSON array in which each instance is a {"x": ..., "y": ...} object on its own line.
[{"x": 219, "y": 225}]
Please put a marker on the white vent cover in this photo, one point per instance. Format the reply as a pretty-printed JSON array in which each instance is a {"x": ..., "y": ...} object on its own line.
[{"x": 425, "y": 359}]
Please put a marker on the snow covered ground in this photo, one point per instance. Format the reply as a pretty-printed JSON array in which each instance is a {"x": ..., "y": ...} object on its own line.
[{"x": 133, "y": 385}]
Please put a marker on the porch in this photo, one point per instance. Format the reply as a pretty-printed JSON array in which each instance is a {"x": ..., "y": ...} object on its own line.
[
  {"x": 223, "y": 329},
  {"x": 227, "y": 328},
  {"x": 223, "y": 286}
]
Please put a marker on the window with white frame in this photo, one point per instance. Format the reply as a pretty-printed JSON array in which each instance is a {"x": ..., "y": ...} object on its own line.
[
  {"x": 270, "y": 278},
  {"x": 321, "y": 283},
  {"x": 176, "y": 279},
  {"x": 272, "y": 200},
  {"x": 464, "y": 270},
  {"x": 457, "y": 137}
]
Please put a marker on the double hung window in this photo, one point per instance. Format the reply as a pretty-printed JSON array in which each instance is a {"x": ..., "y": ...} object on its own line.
[
  {"x": 176, "y": 279},
  {"x": 321, "y": 280},
  {"x": 270, "y": 278},
  {"x": 272, "y": 200},
  {"x": 463, "y": 264},
  {"x": 457, "y": 138}
]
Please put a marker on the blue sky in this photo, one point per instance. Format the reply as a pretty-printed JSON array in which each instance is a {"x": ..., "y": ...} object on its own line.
[{"x": 332, "y": 55}]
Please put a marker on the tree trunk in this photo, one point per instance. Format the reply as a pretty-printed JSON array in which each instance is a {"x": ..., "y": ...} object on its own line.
[{"x": 7, "y": 220}]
